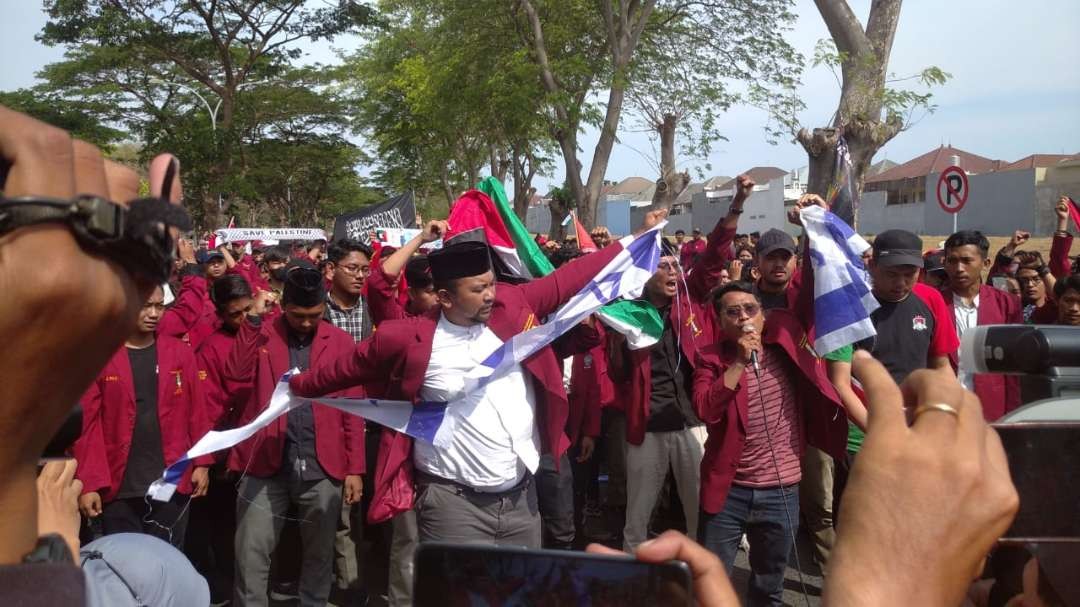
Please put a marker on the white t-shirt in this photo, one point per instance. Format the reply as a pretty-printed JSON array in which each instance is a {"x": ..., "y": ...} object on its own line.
[
  {"x": 967, "y": 317},
  {"x": 496, "y": 438}
]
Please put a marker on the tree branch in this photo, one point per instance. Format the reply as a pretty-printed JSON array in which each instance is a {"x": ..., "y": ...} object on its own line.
[{"x": 844, "y": 27}]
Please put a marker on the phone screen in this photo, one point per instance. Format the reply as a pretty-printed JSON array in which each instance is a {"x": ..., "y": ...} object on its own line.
[
  {"x": 467, "y": 575},
  {"x": 1043, "y": 460}
]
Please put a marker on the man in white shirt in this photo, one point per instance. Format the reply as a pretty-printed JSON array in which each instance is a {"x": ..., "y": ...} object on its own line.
[{"x": 480, "y": 487}]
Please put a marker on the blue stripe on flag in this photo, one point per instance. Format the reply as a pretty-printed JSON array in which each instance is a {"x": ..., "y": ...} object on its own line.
[
  {"x": 425, "y": 420},
  {"x": 645, "y": 253},
  {"x": 175, "y": 472},
  {"x": 843, "y": 306},
  {"x": 841, "y": 232}
]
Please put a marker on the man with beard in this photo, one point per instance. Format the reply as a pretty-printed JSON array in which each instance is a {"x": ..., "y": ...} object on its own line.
[
  {"x": 480, "y": 487},
  {"x": 775, "y": 253}
]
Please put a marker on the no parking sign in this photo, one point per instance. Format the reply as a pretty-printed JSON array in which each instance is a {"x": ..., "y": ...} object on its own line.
[{"x": 952, "y": 189}]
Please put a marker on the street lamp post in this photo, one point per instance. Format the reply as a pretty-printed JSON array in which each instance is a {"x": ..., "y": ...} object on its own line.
[{"x": 211, "y": 111}]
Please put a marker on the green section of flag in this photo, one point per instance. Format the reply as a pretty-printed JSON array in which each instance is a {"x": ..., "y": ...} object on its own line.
[
  {"x": 534, "y": 259},
  {"x": 637, "y": 319}
]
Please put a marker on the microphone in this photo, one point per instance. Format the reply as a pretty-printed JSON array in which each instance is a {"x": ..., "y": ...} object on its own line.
[{"x": 749, "y": 328}]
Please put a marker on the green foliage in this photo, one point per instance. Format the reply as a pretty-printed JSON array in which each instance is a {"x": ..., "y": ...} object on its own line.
[
  {"x": 155, "y": 72},
  {"x": 696, "y": 60}
]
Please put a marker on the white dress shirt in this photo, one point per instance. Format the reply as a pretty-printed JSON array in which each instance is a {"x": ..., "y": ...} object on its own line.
[
  {"x": 967, "y": 317},
  {"x": 496, "y": 438}
]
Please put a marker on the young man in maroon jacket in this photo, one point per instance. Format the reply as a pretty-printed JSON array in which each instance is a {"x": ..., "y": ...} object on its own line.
[
  {"x": 141, "y": 414},
  {"x": 307, "y": 458},
  {"x": 662, "y": 430},
  {"x": 479, "y": 488},
  {"x": 764, "y": 396},
  {"x": 967, "y": 256}
]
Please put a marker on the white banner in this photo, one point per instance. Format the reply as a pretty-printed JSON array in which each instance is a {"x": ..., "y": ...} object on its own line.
[
  {"x": 397, "y": 237},
  {"x": 227, "y": 235}
]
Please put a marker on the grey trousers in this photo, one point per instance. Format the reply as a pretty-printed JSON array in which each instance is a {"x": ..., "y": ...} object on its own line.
[
  {"x": 261, "y": 506},
  {"x": 646, "y": 469},
  {"x": 448, "y": 512},
  {"x": 347, "y": 540},
  {"x": 402, "y": 547},
  {"x": 816, "y": 501},
  {"x": 555, "y": 493}
]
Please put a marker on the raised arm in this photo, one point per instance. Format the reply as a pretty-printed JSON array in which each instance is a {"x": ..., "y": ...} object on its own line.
[
  {"x": 1004, "y": 257},
  {"x": 1059, "y": 264},
  {"x": 181, "y": 317},
  {"x": 365, "y": 365},
  {"x": 252, "y": 335},
  {"x": 392, "y": 266},
  {"x": 704, "y": 275}
]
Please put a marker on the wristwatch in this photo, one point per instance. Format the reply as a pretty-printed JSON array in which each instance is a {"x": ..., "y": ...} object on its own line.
[
  {"x": 136, "y": 237},
  {"x": 50, "y": 548}
]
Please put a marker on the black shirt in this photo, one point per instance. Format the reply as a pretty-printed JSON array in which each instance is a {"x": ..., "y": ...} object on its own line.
[
  {"x": 299, "y": 453},
  {"x": 771, "y": 301},
  {"x": 146, "y": 459},
  {"x": 670, "y": 405},
  {"x": 905, "y": 335}
]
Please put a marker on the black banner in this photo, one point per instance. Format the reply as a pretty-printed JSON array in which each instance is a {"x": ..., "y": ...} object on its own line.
[{"x": 396, "y": 212}]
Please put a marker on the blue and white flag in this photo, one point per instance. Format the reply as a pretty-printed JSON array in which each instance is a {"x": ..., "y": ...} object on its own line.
[
  {"x": 435, "y": 422},
  {"x": 842, "y": 298}
]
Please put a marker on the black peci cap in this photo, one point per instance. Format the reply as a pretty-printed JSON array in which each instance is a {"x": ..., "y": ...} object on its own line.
[
  {"x": 459, "y": 260},
  {"x": 898, "y": 248},
  {"x": 304, "y": 285}
]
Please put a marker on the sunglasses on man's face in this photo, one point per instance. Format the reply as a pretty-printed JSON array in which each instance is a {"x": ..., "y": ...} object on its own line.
[{"x": 750, "y": 309}]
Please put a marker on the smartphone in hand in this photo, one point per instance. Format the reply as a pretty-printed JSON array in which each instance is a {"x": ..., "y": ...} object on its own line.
[{"x": 448, "y": 575}]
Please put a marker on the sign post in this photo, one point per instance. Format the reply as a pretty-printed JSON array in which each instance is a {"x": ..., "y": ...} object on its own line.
[{"x": 952, "y": 192}]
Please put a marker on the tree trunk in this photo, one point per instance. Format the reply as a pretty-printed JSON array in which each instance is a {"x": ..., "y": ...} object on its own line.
[
  {"x": 558, "y": 214},
  {"x": 670, "y": 184}
]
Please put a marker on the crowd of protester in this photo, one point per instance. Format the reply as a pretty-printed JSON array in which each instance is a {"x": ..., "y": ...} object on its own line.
[{"x": 730, "y": 428}]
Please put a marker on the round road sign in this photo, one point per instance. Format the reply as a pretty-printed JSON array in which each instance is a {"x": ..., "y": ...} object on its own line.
[{"x": 952, "y": 189}]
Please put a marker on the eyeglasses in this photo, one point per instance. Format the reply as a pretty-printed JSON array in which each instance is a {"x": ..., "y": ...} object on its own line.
[
  {"x": 355, "y": 270},
  {"x": 750, "y": 309}
]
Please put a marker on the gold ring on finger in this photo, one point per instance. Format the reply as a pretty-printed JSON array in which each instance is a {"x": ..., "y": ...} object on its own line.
[{"x": 944, "y": 408}]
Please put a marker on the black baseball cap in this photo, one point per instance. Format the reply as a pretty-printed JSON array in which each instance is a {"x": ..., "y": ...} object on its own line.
[
  {"x": 934, "y": 261},
  {"x": 774, "y": 240},
  {"x": 207, "y": 256},
  {"x": 898, "y": 248}
]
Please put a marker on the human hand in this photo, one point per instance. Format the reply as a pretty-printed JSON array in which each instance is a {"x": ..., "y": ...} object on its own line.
[
  {"x": 200, "y": 481},
  {"x": 744, "y": 187},
  {"x": 735, "y": 269},
  {"x": 1019, "y": 237},
  {"x": 712, "y": 588},
  {"x": 1062, "y": 208},
  {"x": 58, "y": 502},
  {"x": 586, "y": 448},
  {"x": 75, "y": 309},
  {"x": 943, "y": 480},
  {"x": 807, "y": 200},
  {"x": 185, "y": 250},
  {"x": 434, "y": 230},
  {"x": 747, "y": 345},
  {"x": 261, "y": 302},
  {"x": 651, "y": 220},
  {"x": 90, "y": 504},
  {"x": 353, "y": 488}
]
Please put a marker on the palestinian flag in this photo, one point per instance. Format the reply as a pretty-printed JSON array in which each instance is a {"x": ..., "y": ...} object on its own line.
[{"x": 488, "y": 207}]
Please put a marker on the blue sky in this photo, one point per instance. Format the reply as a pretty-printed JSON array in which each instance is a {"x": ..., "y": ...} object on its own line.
[{"x": 1015, "y": 88}]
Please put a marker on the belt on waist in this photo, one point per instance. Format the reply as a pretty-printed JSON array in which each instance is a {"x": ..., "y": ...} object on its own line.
[{"x": 430, "y": 479}]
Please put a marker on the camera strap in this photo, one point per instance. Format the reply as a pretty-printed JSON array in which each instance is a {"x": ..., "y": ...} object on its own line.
[{"x": 137, "y": 237}]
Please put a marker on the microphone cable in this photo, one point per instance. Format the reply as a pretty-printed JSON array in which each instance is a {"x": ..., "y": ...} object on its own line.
[{"x": 783, "y": 494}]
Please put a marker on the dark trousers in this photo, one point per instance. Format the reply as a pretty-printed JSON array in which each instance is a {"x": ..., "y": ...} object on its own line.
[
  {"x": 212, "y": 525},
  {"x": 555, "y": 490},
  {"x": 840, "y": 479},
  {"x": 769, "y": 525},
  {"x": 166, "y": 520},
  {"x": 449, "y": 512}
]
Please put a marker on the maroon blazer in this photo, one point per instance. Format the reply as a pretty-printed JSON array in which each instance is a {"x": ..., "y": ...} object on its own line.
[
  {"x": 109, "y": 417},
  {"x": 398, "y": 354},
  {"x": 725, "y": 410},
  {"x": 260, "y": 356},
  {"x": 999, "y": 393},
  {"x": 224, "y": 399},
  {"x": 382, "y": 298}
]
